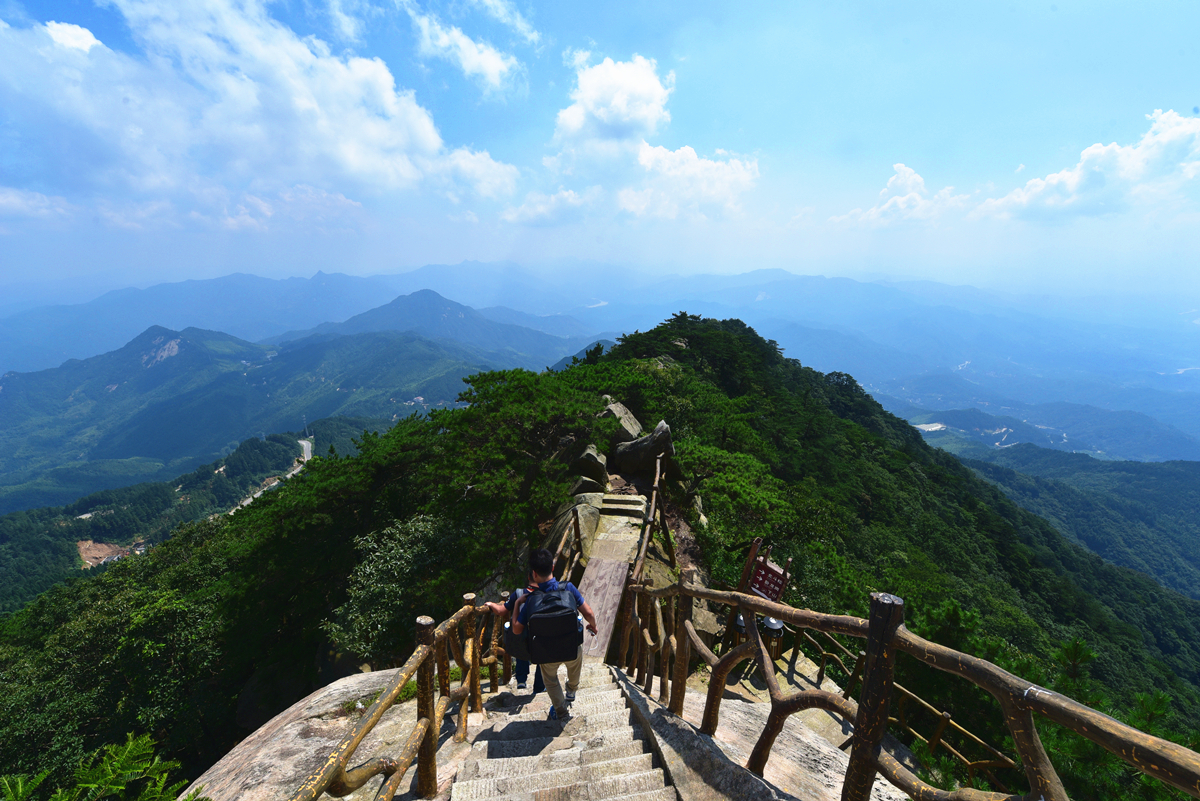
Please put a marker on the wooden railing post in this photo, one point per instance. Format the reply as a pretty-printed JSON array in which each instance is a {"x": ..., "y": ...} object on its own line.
[
  {"x": 472, "y": 658},
  {"x": 427, "y": 752},
  {"x": 668, "y": 646},
  {"x": 856, "y": 675},
  {"x": 683, "y": 644},
  {"x": 942, "y": 723},
  {"x": 887, "y": 614},
  {"x": 623, "y": 662},
  {"x": 639, "y": 648},
  {"x": 442, "y": 655}
]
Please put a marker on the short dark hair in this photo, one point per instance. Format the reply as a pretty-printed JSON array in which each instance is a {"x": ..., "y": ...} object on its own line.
[{"x": 541, "y": 562}]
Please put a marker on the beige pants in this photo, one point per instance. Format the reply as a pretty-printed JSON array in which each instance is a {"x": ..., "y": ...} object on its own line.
[{"x": 550, "y": 679}]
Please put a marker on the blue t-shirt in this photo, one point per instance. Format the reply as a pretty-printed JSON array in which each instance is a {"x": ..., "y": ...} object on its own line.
[{"x": 550, "y": 586}]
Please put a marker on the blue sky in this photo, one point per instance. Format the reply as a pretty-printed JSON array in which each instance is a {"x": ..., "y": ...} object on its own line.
[{"x": 1027, "y": 146}]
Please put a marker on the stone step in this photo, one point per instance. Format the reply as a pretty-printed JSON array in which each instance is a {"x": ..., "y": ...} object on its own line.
[
  {"x": 607, "y": 720},
  {"x": 582, "y": 705},
  {"x": 576, "y": 712},
  {"x": 608, "y": 691},
  {"x": 615, "y": 499},
  {"x": 636, "y": 512},
  {"x": 562, "y": 760},
  {"x": 601, "y": 781},
  {"x": 482, "y": 764},
  {"x": 578, "y": 726}
]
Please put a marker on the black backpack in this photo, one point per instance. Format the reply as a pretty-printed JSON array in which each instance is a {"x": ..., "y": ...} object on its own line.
[{"x": 553, "y": 631}]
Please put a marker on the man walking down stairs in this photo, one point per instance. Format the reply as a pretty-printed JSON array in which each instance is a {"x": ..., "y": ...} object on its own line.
[{"x": 600, "y": 753}]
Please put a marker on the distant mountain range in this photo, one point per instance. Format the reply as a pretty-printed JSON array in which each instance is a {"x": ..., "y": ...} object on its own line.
[
  {"x": 931, "y": 346},
  {"x": 1133, "y": 514},
  {"x": 245, "y": 306},
  {"x": 170, "y": 400},
  {"x": 1067, "y": 427},
  {"x": 427, "y": 313}
]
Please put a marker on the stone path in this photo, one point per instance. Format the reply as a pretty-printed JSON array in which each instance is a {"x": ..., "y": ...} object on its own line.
[
  {"x": 609, "y": 552},
  {"x": 599, "y": 753}
]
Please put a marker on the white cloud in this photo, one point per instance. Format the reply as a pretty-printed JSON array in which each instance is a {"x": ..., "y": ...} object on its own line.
[
  {"x": 564, "y": 205},
  {"x": 506, "y": 13},
  {"x": 1159, "y": 168},
  {"x": 347, "y": 17},
  {"x": 478, "y": 60},
  {"x": 906, "y": 198},
  {"x": 18, "y": 203},
  {"x": 73, "y": 36},
  {"x": 477, "y": 169},
  {"x": 224, "y": 100},
  {"x": 681, "y": 178},
  {"x": 615, "y": 100}
]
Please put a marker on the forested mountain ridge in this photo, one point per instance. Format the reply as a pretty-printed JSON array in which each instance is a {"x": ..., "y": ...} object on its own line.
[
  {"x": 237, "y": 616},
  {"x": 428, "y": 314},
  {"x": 1145, "y": 516},
  {"x": 170, "y": 400},
  {"x": 37, "y": 547}
]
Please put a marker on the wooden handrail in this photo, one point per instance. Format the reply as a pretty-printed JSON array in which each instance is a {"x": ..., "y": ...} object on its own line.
[
  {"x": 430, "y": 664},
  {"x": 885, "y": 633}
]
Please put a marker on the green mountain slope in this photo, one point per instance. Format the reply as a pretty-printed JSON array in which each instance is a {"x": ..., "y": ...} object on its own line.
[
  {"x": 427, "y": 313},
  {"x": 1137, "y": 514},
  {"x": 169, "y": 400},
  {"x": 237, "y": 617},
  {"x": 37, "y": 546}
]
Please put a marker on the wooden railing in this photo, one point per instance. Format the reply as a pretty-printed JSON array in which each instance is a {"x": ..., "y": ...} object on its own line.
[
  {"x": 656, "y": 638},
  {"x": 943, "y": 722},
  {"x": 430, "y": 662}
]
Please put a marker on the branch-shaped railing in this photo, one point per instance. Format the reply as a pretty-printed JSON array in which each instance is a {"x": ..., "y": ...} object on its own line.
[
  {"x": 885, "y": 635},
  {"x": 429, "y": 663}
]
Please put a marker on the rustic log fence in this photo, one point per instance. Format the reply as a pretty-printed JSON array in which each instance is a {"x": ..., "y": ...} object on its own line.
[
  {"x": 654, "y": 637},
  {"x": 943, "y": 723},
  {"x": 460, "y": 637}
]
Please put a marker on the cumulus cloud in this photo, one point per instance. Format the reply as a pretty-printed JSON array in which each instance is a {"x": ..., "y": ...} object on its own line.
[
  {"x": 616, "y": 106},
  {"x": 17, "y": 203},
  {"x": 1161, "y": 167},
  {"x": 224, "y": 98},
  {"x": 72, "y": 36},
  {"x": 347, "y": 17},
  {"x": 506, "y": 13},
  {"x": 906, "y": 198},
  {"x": 477, "y": 60},
  {"x": 615, "y": 100},
  {"x": 681, "y": 178},
  {"x": 564, "y": 205}
]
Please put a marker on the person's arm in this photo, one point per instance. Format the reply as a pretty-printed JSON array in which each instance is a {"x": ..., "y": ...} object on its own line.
[
  {"x": 590, "y": 617},
  {"x": 497, "y": 609},
  {"x": 517, "y": 626}
]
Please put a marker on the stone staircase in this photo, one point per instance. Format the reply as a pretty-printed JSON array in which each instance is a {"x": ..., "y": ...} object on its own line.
[{"x": 598, "y": 753}]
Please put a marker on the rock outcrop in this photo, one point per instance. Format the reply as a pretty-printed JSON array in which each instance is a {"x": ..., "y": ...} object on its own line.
[
  {"x": 592, "y": 464},
  {"x": 638, "y": 456},
  {"x": 630, "y": 428}
]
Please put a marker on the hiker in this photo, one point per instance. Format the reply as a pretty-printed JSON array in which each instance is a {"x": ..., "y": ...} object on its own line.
[
  {"x": 503, "y": 612},
  {"x": 555, "y": 637}
]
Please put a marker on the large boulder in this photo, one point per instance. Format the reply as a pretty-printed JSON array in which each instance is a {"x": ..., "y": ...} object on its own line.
[
  {"x": 585, "y": 485},
  {"x": 589, "y": 519},
  {"x": 638, "y": 456},
  {"x": 593, "y": 464},
  {"x": 630, "y": 428},
  {"x": 276, "y": 759}
]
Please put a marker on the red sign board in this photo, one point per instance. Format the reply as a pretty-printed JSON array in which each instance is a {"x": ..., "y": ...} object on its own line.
[{"x": 767, "y": 580}]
